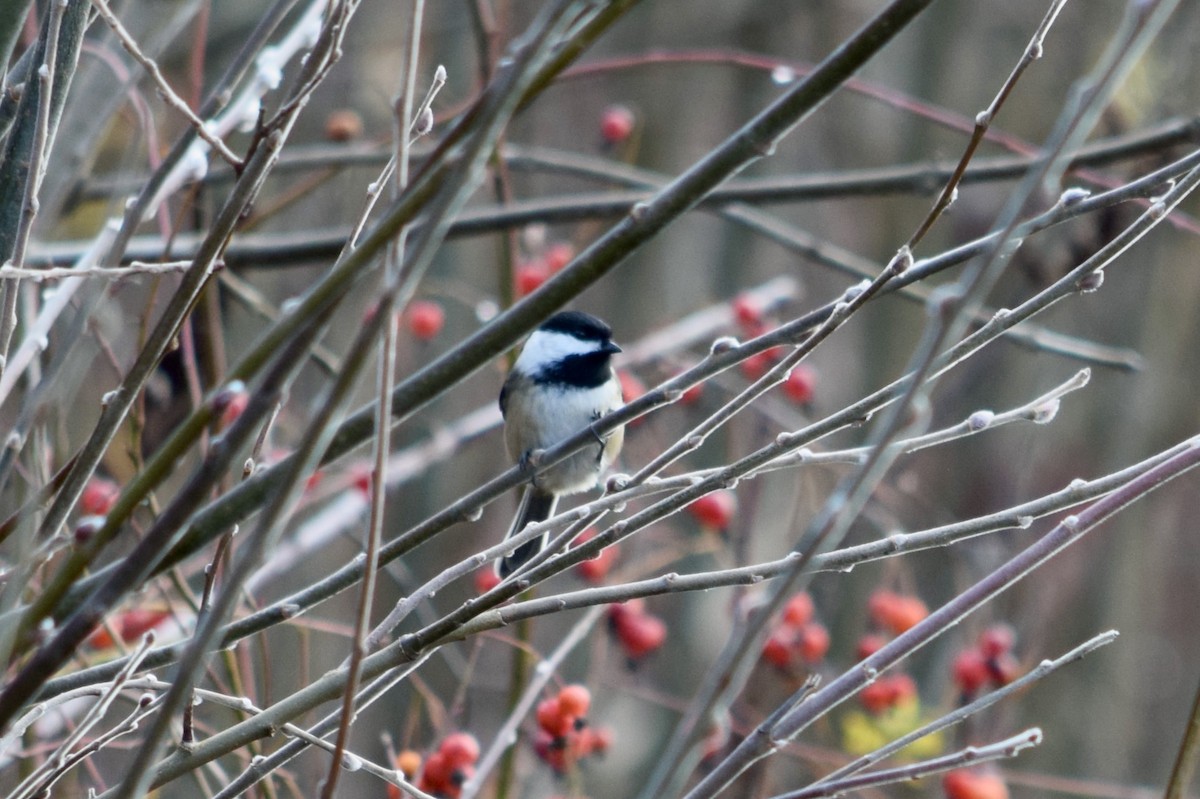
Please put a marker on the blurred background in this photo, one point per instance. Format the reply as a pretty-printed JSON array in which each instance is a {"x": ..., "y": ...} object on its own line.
[{"x": 688, "y": 73}]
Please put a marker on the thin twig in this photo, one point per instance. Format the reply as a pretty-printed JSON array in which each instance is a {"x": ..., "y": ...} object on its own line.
[
  {"x": 983, "y": 121},
  {"x": 164, "y": 89},
  {"x": 1009, "y": 747},
  {"x": 33, "y": 174},
  {"x": 134, "y": 269}
]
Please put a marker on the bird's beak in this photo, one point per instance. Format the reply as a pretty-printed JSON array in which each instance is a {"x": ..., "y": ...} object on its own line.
[{"x": 610, "y": 348}]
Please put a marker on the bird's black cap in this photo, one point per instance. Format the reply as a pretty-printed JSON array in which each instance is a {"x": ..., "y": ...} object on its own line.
[{"x": 582, "y": 326}]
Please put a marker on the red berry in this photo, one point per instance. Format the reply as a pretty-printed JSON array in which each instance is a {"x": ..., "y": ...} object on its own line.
[
  {"x": 360, "y": 478},
  {"x": 972, "y": 784},
  {"x": 756, "y": 365},
  {"x": 868, "y": 645},
  {"x": 631, "y": 387},
  {"x": 887, "y": 692},
  {"x": 460, "y": 749},
  {"x": 486, "y": 579},
  {"x": 550, "y": 751},
  {"x": 910, "y": 612},
  {"x": 748, "y": 312},
  {"x": 997, "y": 640},
  {"x": 640, "y": 634},
  {"x": 801, "y": 384},
  {"x": 970, "y": 670},
  {"x": 601, "y": 739},
  {"x": 617, "y": 612},
  {"x": 437, "y": 775},
  {"x": 778, "y": 649},
  {"x": 1004, "y": 669},
  {"x": 530, "y": 276},
  {"x": 425, "y": 319},
  {"x": 715, "y": 510},
  {"x": 594, "y": 570},
  {"x": 558, "y": 255},
  {"x": 876, "y": 697},
  {"x": 230, "y": 404},
  {"x": 813, "y": 643},
  {"x": 799, "y": 609},
  {"x": 692, "y": 394},
  {"x": 895, "y": 612},
  {"x": 99, "y": 495},
  {"x": 552, "y": 719},
  {"x": 616, "y": 124},
  {"x": 574, "y": 700}
]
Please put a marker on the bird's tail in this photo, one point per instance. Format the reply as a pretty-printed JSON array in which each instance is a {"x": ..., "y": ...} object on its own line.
[{"x": 536, "y": 506}]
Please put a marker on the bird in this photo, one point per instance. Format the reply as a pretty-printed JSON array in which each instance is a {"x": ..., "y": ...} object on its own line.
[{"x": 562, "y": 381}]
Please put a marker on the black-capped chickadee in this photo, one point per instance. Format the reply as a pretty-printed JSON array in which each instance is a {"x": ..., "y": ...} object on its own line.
[{"x": 562, "y": 381}]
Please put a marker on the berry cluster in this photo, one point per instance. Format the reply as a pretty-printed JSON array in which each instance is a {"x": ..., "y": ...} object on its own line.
[
  {"x": 990, "y": 662},
  {"x": 637, "y": 630},
  {"x": 564, "y": 736},
  {"x": 532, "y": 272},
  {"x": 801, "y": 383},
  {"x": 446, "y": 770},
  {"x": 892, "y": 614},
  {"x": 797, "y": 638}
]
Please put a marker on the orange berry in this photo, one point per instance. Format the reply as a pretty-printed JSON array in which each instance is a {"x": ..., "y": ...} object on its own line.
[
  {"x": 408, "y": 763},
  {"x": 895, "y": 612},
  {"x": 574, "y": 700},
  {"x": 342, "y": 125}
]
